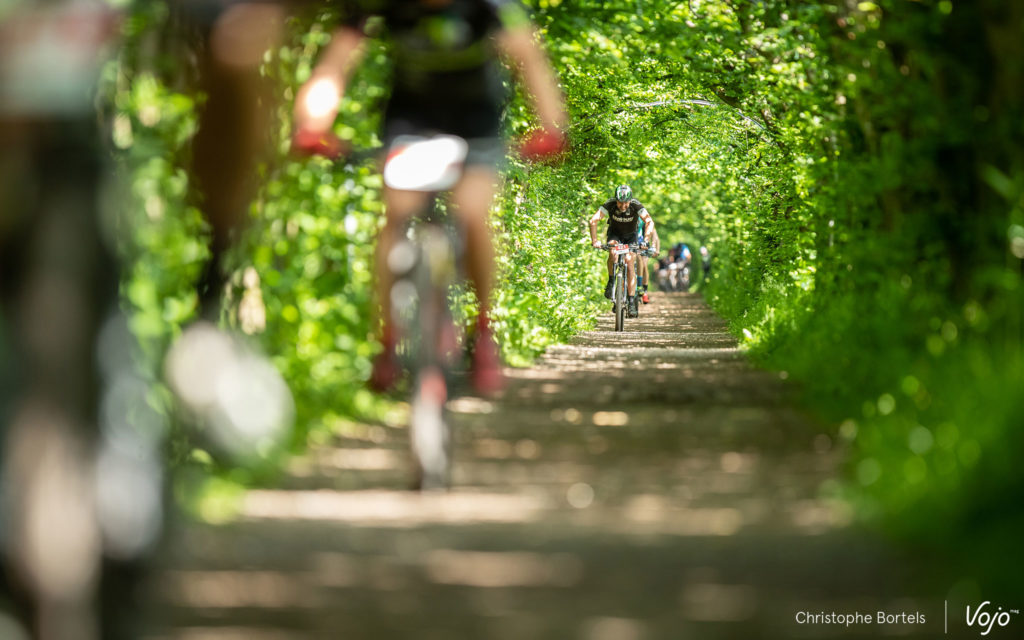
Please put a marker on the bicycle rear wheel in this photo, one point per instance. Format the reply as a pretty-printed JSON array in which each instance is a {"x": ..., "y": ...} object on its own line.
[{"x": 429, "y": 429}]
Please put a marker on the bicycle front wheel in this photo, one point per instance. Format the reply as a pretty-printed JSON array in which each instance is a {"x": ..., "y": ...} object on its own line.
[{"x": 620, "y": 299}]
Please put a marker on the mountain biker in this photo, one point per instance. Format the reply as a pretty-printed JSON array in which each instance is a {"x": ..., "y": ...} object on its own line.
[
  {"x": 650, "y": 239},
  {"x": 684, "y": 256},
  {"x": 683, "y": 261},
  {"x": 624, "y": 213},
  {"x": 447, "y": 80},
  {"x": 76, "y": 425}
]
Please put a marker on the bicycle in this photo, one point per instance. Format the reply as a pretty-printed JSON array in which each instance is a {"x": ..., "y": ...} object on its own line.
[
  {"x": 424, "y": 266},
  {"x": 619, "y": 277},
  {"x": 684, "y": 278},
  {"x": 674, "y": 278}
]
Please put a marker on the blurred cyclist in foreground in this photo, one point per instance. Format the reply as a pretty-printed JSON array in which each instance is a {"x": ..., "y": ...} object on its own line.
[
  {"x": 447, "y": 81},
  {"x": 81, "y": 468}
]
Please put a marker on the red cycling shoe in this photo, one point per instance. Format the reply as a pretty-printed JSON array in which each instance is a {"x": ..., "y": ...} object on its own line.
[
  {"x": 645, "y": 298},
  {"x": 386, "y": 368},
  {"x": 486, "y": 365}
]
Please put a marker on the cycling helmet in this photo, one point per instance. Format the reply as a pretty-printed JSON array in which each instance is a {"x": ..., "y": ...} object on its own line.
[{"x": 623, "y": 193}]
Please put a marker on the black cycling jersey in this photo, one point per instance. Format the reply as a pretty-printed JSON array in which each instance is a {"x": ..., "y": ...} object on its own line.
[
  {"x": 623, "y": 225},
  {"x": 447, "y": 74}
]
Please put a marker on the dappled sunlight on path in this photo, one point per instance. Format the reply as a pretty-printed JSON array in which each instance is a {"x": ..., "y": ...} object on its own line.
[{"x": 639, "y": 485}]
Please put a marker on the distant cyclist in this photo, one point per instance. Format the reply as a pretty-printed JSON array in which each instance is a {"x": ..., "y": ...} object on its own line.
[
  {"x": 447, "y": 80},
  {"x": 684, "y": 260},
  {"x": 683, "y": 255},
  {"x": 624, "y": 213}
]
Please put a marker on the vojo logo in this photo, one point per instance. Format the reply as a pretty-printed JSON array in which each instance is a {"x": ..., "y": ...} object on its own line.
[{"x": 984, "y": 619}]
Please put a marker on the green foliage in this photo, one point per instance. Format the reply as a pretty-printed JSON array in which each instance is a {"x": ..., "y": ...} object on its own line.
[{"x": 857, "y": 174}]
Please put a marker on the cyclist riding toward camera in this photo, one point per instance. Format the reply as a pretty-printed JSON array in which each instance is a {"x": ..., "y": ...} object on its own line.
[{"x": 624, "y": 213}]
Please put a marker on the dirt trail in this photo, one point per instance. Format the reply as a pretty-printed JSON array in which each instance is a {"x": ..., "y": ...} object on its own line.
[{"x": 629, "y": 486}]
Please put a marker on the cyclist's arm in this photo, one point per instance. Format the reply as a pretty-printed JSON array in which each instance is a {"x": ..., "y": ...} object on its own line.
[
  {"x": 516, "y": 40},
  {"x": 596, "y": 218},
  {"x": 327, "y": 84},
  {"x": 648, "y": 222},
  {"x": 654, "y": 241}
]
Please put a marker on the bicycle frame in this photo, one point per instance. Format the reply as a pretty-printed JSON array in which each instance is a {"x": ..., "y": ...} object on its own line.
[{"x": 619, "y": 274}]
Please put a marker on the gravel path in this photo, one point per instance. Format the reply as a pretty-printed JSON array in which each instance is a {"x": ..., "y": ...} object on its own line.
[{"x": 632, "y": 486}]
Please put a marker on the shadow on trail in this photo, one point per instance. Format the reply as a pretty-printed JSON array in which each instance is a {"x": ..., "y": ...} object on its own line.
[{"x": 639, "y": 485}]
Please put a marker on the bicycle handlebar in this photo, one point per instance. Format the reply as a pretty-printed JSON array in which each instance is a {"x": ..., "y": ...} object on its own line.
[
  {"x": 633, "y": 248},
  {"x": 541, "y": 145}
]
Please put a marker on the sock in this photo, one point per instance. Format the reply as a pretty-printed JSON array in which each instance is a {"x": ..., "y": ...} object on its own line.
[{"x": 639, "y": 282}]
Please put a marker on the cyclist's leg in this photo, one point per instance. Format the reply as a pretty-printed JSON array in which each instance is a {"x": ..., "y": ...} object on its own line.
[
  {"x": 471, "y": 200},
  {"x": 399, "y": 206},
  {"x": 231, "y": 139}
]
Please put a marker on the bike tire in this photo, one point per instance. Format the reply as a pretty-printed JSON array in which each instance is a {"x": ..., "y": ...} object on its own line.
[
  {"x": 620, "y": 299},
  {"x": 430, "y": 431},
  {"x": 430, "y": 438}
]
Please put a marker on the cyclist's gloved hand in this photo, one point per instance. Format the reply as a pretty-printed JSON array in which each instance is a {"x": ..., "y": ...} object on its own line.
[
  {"x": 313, "y": 143},
  {"x": 597, "y": 244},
  {"x": 543, "y": 143}
]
